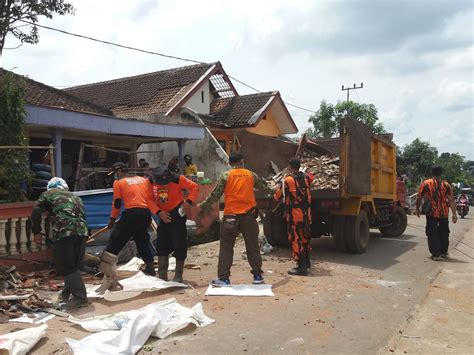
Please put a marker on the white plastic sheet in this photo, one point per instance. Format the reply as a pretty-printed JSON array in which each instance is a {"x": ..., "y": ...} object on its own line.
[
  {"x": 136, "y": 263},
  {"x": 22, "y": 341},
  {"x": 240, "y": 290},
  {"x": 34, "y": 318},
  {"x": 126, "y": 332},
  {"x": 133, "y": 287}
]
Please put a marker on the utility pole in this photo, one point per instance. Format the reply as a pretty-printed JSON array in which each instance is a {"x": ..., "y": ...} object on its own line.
[{"x": 352, "y": 88}]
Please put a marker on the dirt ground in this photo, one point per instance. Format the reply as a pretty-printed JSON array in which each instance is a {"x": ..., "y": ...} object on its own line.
[{"x": 348, "y": 304}]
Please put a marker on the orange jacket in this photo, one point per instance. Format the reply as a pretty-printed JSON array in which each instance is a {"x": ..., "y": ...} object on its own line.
[
  {"x": 171, "y": 195},
  {"x": 298, "y": 203},
  {"x": 135, "y": 192},
  {"x": 239, "y": 195}
]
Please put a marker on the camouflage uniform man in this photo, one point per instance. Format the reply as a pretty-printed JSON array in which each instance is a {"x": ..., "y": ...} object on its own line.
[
  {"x": 240, "y": 212},
  {"x": 70, "y": 232}
]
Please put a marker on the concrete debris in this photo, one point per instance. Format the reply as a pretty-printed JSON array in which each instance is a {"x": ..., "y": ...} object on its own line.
[{"x": 19, "y": 292}]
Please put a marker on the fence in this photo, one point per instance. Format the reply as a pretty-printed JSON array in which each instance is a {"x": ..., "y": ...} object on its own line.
[{"x": 16, "y": 236}]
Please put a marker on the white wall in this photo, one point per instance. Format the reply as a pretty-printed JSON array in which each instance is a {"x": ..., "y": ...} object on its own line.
[
  {"x": 207, "y": 153},
  {"x": 195, "y": 102}
]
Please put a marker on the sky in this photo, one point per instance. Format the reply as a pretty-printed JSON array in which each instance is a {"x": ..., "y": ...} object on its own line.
[{"x": 415, "y": 58}]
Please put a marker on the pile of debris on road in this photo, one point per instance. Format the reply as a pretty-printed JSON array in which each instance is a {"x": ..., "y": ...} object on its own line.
[
  {"x": 325, "y": 170},
  {"x": 19, "y": 292}
]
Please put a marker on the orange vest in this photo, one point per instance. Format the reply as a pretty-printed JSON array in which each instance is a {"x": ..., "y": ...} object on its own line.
[{"x": 239, "y": 195}]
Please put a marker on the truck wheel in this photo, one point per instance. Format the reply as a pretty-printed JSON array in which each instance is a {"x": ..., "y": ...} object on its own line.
[
  {"x": 398, "y": 226},
  {"x": 274, "y": 228},
  {"x": 357, "y": 232},
  {"x": 339, "y": 233}
]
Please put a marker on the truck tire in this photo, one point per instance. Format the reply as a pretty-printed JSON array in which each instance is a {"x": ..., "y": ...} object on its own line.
[
  {"x": 274, "y": 228},
  {"x": 357, "y": 232},
  {"x": 398, "y": 226},
  {"x": 339, "y": 233}
]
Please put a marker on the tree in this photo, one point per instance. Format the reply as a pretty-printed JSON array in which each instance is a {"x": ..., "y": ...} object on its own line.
[
  {"x": 452, "y": 164},
  {"x": 416, "y": 160},
  {"x": 326, "y": 120},
  {"x": 14, "y": 168},
  {"x": 14, "y": 13}
]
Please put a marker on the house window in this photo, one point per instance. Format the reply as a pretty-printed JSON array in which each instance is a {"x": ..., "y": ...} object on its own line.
[{"x": 202, "y": 96}]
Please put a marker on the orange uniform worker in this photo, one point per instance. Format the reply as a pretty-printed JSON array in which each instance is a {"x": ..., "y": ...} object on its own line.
[
  {"x": 168, "y": 190},
  {"x": 296, "y": 195},
  {"x": 136, "y": 194},
  {"x": 237, "y": 185}
]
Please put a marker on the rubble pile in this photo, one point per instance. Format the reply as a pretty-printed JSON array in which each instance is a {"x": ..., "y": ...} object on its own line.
[
  {"x": 325, "y": 170},
  {"x": 19, "y": 292}
]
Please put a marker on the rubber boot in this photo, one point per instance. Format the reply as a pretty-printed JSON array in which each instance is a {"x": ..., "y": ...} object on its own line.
[
  {"x": 178, "y": 272},
  {"x": 150, "y": 269},
  {"x": 108, "y": 265},
  {"x": 163, "y": 264},
  {"x": 299, "y": 270},
  {"x": 78, "y": 290}
]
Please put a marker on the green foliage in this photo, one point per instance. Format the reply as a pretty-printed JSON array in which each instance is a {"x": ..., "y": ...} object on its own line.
[
  {"x": 326, "y": 120},
  {"x": 417, "y": 158},
  {"x": 14, "y": 162},
  {"x": 14, "y": 12}
]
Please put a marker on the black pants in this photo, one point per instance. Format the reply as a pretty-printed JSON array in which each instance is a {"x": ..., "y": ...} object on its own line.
[
  {"x": 134, "y": 222},
  {"x": 437, "y": 231},
  {"x": 69, "y": 254},
  {"x": 173, "y": 237}
]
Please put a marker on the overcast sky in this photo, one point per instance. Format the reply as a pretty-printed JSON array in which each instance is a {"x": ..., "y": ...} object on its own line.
[{"x": 415, "y": 58}]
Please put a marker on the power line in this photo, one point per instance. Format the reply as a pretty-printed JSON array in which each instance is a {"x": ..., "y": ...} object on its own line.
[
  {"x": 348, "y": 89},
  {"x": 150, "y": 52}
]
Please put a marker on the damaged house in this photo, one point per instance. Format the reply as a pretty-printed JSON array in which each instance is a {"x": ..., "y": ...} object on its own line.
[{"x": 201, "y": 94}]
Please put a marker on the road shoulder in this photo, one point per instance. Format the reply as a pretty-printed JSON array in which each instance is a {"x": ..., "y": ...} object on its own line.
[{"x": 443, "y": 323}]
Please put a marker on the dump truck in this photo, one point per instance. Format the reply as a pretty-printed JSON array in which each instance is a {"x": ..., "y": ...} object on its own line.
[{"x": 365, "y": 198}]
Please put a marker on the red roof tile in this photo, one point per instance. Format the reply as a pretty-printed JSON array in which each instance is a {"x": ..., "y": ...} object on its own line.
[
  {"x": 144, "y": 94},
  {"x": 39, "y": 94},
  {"x": 236, "y": 111}
]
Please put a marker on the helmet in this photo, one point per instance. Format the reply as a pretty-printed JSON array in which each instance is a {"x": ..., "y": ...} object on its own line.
[{"x": 188, "y": 159}]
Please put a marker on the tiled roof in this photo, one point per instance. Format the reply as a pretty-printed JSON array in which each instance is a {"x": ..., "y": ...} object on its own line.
[
  {"x": 144, "y": 94},
  {"x": 39, "y": 94},
  {"x": 236, "y": 111}
]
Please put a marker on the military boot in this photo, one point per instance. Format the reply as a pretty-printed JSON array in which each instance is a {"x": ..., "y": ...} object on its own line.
[
  {"x": 300, "y": 269},
  {"x": 163, "y": 264},
  {"x": 75, "y": 284},
  {"x": 178, "y": 272}
]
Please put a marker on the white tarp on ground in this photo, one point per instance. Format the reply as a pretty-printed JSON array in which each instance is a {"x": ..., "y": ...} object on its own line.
[
  {"x": 136, "y": 263},
  {"x": 133, "y": 287},
  {"x": 33, "y": 318},
  {"x": 240, "y": 290},
  {"x": 22, "y": 341},
  {"x": 127, "y": 332}
]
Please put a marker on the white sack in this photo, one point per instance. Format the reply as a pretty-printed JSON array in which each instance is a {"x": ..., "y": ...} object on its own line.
[
  {"x": 136, "y": 263},
  {"x": 133, "y": 287},
  {"x": 240, "y": 290},
  {"x": 22, "y": 341},
  {"x": 115, "y": 331}
]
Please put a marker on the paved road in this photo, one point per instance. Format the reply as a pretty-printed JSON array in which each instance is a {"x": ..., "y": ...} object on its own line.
[{"x": 350, "y": 303}]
